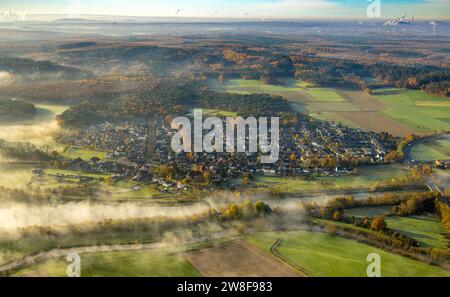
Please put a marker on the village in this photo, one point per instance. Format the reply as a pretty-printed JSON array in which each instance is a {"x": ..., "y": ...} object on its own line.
[{"x": 137, "y": 150}]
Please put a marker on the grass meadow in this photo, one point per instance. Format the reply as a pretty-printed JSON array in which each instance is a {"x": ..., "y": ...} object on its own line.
[
  {"x": 323, "y": 255},
  {"x": 146, "y": 263},
  {"x": 399, "y": 111}
]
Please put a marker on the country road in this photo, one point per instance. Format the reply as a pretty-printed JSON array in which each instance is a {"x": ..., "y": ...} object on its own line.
[{"x": 274, "y": 251}]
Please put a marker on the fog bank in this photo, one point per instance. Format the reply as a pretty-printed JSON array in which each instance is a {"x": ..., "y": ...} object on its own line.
[{"x": 21, "y": 215}]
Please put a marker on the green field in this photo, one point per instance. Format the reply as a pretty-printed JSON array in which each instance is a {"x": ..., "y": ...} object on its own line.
[
  {"x": 438, "y": 149},
  {"x": 291, "y": 89},
  {"x": 369, "y": 212},
  {"x": 413, "y": 110},
  {"x": 333, "y": 117},
  {"x": 50, "y": 180},
  {"x": 364, "y": 178},
  {"x": 73, "y": 152},
  {"x": 326, "y": 95},
  {"x": 12, "y": 249},
  {"x": 216, "y": 112},
  {"x": 242, "y": 86},
  {"x": 323, "y": 255},
  {"x": 119, "y": 191},
  {"x": 420, "y": 111},
  {"x": 75, "y": 173},
  {"x": 52, "y": 108},
  {"x": 150, "y": 263},
  {"x": 129, "y": 190},
  {"x": 427, "y": 230}
]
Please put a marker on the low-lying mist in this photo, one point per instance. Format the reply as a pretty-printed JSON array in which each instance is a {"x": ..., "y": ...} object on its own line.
[
  {"x": 39, "y": 133},
  {"x": 5, "y": 77},
  {"x": 22, "y": 215}
]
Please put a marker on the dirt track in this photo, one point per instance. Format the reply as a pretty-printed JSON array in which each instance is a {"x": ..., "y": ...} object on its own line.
[{"x": 239, "y": 258}]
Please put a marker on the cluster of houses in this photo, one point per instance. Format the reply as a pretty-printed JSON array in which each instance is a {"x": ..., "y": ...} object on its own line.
[
  {"x": 128, "y": 139},
  {"x": 326, "y": 139},
  {"x": 441, "y": 164}
]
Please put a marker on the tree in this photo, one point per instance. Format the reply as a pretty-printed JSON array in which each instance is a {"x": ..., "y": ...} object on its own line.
[
  {"x": 232, "y": 212},
  {"x": 324, "y": 212},
  {"x": 337, "y": 215},
  {"x": 331, "y": 229},
  {"x": 447, "y": 193},
  {"x": 167, "y": 171},
  {"x": 410, "y": 138},
  {"x": 427, "y": 170},
  {"x": 378, "y": 224},
  {"x": 416, "y": 175},
  {"x": 208, "y": 176},
  {"x": 262, "y": 208},
  {"x": 248, "y": 209}
]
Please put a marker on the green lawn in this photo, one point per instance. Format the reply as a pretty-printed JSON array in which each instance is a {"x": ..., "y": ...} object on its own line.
[
  {"x": 323, "y": 255},
  {"x": 427, "y": 230},
  {"x": 150, "y": 263}
]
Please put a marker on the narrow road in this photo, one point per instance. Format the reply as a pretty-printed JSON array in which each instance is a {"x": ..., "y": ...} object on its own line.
[{"x": 274, "y": 251}]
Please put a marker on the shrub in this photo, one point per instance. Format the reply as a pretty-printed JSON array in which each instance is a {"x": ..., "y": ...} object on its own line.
[
  {"x": 378, "y": 224},
  {"x": 337, "y": 215}
]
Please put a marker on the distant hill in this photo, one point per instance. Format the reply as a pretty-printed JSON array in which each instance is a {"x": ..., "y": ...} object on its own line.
[
  {"x": 11, "y": 109},
  {"x": 76, "y": 45},
  {"x": 40, "y": 70}
]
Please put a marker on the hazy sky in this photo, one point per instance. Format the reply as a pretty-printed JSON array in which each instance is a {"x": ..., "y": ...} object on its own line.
[{"x": 233, "y": 8}]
